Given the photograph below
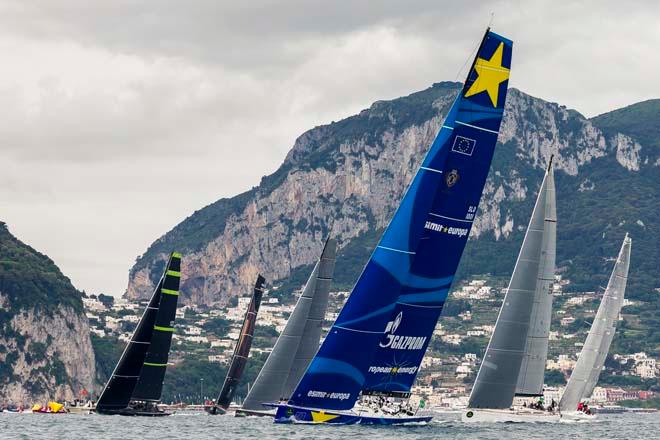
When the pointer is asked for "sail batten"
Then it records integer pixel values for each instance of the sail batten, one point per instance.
(591, 360)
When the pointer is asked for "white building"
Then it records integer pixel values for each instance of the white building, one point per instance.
(217, 358)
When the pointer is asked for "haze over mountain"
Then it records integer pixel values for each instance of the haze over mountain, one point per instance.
(351, 174)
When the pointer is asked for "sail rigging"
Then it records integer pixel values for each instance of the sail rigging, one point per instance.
(242, 349)
(390, 314)
(592, 357)
(299, 341)
(129, 371)
(500, 370)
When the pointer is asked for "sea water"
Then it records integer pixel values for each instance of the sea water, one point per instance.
(202, 426)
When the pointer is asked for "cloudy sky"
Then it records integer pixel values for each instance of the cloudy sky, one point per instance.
(119, 118)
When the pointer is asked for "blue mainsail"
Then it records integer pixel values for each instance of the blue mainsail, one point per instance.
(381, 334)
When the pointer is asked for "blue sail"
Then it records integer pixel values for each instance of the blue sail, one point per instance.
(390, 315)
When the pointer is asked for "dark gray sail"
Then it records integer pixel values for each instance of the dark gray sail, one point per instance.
(130, 372)
(299, 340)
(532, 369)
(592, 357)
(497, 379)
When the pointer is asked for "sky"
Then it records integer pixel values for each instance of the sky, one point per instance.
(119, 119)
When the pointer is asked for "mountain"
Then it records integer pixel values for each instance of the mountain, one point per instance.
(350, 175)
(45, 349)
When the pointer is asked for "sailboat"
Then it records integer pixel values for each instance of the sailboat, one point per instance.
(297, 344)
(514, 361)
(590, 363)
(136, 384)
(241, 352)
(375, 347)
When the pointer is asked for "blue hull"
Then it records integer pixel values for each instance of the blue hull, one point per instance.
(300, 415)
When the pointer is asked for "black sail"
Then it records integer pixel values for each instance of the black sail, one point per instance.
(119, 389)
(242, 349)
(150, 384)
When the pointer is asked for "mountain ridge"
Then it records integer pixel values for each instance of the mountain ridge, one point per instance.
(351, 174)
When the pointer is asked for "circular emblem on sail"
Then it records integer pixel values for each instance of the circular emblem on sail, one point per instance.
(452, 178)
(469, 414)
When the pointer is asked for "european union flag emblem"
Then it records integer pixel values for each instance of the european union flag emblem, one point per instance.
(463, 145)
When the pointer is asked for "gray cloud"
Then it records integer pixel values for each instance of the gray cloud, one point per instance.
(121, 118)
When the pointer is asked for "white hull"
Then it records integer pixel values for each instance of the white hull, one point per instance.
(508, 416)
(577, 416)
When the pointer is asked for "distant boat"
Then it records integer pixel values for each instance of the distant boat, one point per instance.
(241, 352)
(136, 384)
(374, 349)
(514, 362)
(590, 363)
(298, 342)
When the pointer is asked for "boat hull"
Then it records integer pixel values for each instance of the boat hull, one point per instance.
(215, 410)
(577, 416)
(300, 415)
(133, 413)
(508, 416)
(254, 412)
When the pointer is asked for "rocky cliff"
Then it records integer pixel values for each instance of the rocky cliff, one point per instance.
(350, 175)
(45, 349)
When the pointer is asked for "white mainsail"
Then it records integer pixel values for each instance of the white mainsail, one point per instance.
(532, 369)
(527, 304)
(592, 357)
(299, 340)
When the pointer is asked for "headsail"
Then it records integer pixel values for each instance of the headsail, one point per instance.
(119, 389)
(498, 376)
(299, 341)
(242, 349)
(532, 369)
(411, 269)
(592, 358)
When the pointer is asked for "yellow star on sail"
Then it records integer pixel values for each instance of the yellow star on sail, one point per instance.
(321, 416)
(491, 75)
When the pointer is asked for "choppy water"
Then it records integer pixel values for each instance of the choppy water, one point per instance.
(201, 426)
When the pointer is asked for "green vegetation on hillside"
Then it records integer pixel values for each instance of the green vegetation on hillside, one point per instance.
(639, 121)
(31, 279)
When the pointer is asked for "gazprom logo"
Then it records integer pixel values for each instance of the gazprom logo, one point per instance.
(393, 325)
(398, 342)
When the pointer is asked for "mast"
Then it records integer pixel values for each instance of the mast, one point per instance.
(532, 369)
(118, 390)
(499, 372)
(592, 357)
(242, 349)
(299, 341)
(389, 316)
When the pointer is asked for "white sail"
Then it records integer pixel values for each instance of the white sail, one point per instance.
(592, 357)
(498, 375)
(532, 369)
(299, 340)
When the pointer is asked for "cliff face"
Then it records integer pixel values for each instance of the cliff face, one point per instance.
(45, 348)
(350, 176)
